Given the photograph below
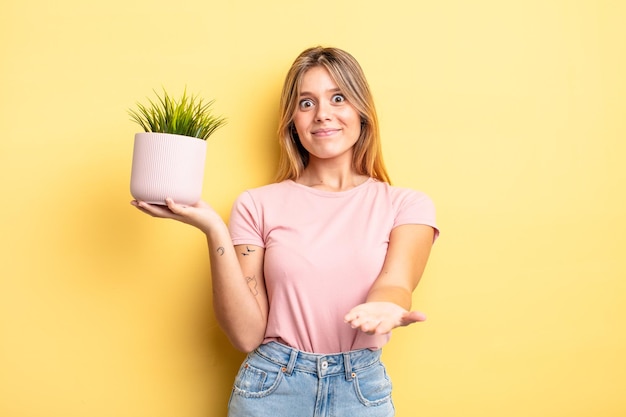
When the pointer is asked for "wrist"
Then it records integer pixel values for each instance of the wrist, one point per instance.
(216, 231)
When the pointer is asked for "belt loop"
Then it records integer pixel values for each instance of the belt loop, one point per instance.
(292, 361)
(347, 366)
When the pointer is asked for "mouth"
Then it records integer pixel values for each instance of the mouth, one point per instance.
(324, 132)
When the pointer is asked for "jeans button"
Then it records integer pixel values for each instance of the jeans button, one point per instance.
(324, 365)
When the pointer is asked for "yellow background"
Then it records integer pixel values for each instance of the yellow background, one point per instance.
(510, 114)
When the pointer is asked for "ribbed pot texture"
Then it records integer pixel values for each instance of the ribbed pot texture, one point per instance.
(167, 165)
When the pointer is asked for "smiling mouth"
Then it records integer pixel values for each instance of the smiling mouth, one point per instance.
(325, 132)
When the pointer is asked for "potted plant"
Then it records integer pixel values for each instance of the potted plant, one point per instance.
(169, 156)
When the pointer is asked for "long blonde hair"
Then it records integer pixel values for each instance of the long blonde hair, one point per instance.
(347, 73)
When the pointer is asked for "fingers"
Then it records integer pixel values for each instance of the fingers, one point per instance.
(154, 210)
(175, 208)
(412, 317)
(199, 215)
(369, 324)
(376, 327)
(381, 318)
(365, 325)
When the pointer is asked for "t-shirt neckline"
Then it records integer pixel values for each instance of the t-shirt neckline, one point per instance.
(325, 193)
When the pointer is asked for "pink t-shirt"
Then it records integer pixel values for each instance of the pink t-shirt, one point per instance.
(323, 252)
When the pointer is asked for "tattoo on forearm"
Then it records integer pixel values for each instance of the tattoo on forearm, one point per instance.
(252, 285)
(220, 250)
(248, 251)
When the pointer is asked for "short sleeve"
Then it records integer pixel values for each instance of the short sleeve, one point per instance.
(414, 207)
(245, 222)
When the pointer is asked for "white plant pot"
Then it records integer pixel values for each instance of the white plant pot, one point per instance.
(167, 165)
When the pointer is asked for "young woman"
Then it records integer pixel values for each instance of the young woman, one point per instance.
(319, 267)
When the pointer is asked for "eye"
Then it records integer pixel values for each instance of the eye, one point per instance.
(307, 103)
(338, 98)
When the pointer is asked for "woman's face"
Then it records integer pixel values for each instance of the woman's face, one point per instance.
(327, 124)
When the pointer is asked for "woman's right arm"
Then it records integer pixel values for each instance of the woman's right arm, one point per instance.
(239, 294)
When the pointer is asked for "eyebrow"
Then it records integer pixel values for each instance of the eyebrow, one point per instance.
(332, 90)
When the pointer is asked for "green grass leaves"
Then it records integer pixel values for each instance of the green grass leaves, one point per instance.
(189, 116)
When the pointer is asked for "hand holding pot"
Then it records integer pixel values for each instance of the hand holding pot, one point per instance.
(200, 214)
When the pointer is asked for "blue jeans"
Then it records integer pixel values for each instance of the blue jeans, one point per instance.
(278, 381)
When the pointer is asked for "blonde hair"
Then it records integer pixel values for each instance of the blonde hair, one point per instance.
(347, 73)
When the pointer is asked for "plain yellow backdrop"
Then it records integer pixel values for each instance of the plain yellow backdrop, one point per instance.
(510, 114)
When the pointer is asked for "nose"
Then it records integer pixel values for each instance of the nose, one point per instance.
(323, 112)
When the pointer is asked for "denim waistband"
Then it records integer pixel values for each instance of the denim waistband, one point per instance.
(319, 364)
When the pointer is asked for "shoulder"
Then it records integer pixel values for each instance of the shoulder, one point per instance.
(401, 196)
(269, 189)
(410, 206)
(265, 191)
(410, 196)
(263, 194)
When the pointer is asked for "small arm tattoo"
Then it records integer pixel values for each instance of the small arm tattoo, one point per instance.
(252, 285)
(220, 250)
(248, 251)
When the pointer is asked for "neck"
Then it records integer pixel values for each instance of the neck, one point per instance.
(330, 178)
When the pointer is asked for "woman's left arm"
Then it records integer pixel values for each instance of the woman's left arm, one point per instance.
(388, 303)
